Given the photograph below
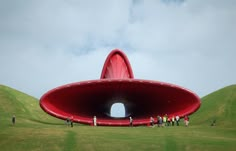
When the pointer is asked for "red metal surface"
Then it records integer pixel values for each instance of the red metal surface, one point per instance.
(117, 66)
(141, 98)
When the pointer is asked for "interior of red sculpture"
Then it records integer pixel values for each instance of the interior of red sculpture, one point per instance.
(141, 98)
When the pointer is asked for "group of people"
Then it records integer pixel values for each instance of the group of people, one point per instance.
(168, 121)
(161, 121)
(69, 121)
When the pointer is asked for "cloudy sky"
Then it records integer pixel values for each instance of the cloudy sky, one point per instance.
(48, 43)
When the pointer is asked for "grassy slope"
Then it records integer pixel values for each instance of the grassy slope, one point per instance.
(219, 105)
(25, 107)
(31, 132)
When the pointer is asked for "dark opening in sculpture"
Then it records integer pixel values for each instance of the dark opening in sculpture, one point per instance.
(141, 98)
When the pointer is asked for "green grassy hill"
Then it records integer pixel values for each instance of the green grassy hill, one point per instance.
(220, 106)
(26, 108)
(36, 130)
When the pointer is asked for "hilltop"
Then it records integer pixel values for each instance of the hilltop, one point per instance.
(220, 106)
(23, 106)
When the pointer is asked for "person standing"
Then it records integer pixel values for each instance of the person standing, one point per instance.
(71, 121)
(160, 124)
(173, 121)
(67, 121)
(151, 121)
(130, 121)
(177, 120)
(164, 120)
(94, 121)
(13, 119)
(186, 120)
(168, 121)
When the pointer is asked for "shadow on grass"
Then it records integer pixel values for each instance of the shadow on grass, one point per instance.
(50, 123)
(70, 141)
(44, 122)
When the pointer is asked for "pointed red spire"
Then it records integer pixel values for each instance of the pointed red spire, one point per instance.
(117, 66)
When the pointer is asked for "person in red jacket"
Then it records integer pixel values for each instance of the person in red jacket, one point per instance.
(186, 120)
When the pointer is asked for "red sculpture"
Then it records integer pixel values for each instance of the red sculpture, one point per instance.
(141, 98)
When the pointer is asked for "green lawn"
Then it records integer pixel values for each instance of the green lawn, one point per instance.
(35, 130)
(50, 137)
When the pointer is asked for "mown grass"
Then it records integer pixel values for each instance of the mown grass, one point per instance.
(37, 131)
(60, 137)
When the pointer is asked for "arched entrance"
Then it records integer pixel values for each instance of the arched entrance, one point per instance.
(117, 110)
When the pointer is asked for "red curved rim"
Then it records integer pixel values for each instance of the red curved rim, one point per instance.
(141, 98)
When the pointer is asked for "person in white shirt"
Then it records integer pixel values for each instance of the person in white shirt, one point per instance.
(151, 121)
(130, 121)
(177, 120)
(94, 121)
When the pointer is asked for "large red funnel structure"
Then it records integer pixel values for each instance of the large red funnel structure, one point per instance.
(141, 98)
